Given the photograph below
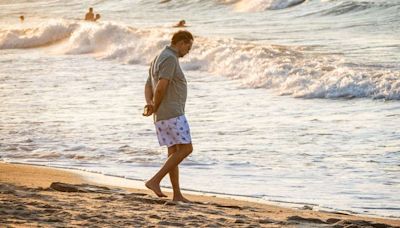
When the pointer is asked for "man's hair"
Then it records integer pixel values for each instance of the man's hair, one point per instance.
(90, 9)
(181, 35)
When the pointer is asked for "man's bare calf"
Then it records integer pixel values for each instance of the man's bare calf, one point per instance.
(176, 155)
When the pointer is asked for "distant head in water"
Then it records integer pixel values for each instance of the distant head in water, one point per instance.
(21, 18)
(182, 41)
(181, 23)
(97, 17)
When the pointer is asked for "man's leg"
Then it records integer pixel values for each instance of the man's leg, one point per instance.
(174, 177)
(183, 150)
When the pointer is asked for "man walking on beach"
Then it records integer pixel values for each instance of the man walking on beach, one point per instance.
(165, 94)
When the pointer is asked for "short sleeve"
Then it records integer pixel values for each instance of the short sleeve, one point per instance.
(167, 68)
(148, 82)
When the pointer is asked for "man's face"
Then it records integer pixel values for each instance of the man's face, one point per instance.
(184, 47)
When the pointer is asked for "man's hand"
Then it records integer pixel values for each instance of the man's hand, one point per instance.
(148, 110)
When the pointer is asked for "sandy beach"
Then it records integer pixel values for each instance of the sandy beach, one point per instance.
(32, 196)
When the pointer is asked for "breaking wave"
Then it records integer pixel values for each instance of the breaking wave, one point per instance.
(286, 70)
(261, 5)
(44, 34)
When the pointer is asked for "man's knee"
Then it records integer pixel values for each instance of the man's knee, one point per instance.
(172, 149)
(186, 149)
(190, 148)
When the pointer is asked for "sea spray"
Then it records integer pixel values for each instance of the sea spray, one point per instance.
(45, 34)
(287, 70)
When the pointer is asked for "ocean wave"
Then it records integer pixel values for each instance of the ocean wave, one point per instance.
(313, 7)
(44, 34)
(290, 71)
(261, 5)
(286, 70)
(346, 7)
(340, 7)
(97, 37)
(238, 5)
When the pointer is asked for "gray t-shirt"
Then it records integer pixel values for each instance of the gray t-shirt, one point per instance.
(166, 65)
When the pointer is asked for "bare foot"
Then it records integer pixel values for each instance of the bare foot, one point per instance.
(155, 188)
(180, 199)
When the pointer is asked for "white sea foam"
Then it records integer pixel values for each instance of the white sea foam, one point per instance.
(43, 34)
(286, 70)
(290, 71)
(97, 37)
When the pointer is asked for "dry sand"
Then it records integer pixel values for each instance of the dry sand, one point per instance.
(27, 200)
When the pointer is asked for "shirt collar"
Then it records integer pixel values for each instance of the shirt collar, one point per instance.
(173, 50)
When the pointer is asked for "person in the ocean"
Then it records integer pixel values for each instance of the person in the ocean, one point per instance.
(22, 18)
(97, 17)
(89, 15)
(181, 23)
(165, 94)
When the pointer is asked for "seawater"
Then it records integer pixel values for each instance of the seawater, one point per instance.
(72, 95)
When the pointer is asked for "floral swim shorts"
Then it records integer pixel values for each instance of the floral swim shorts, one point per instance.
(173, 131)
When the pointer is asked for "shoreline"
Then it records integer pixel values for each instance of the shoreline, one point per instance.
(34, 182)
(132, 184)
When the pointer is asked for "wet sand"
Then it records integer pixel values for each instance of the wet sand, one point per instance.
(47, 197)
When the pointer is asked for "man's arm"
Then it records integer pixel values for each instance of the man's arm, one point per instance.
(161, 88)
(166, 72)
(148, 95)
